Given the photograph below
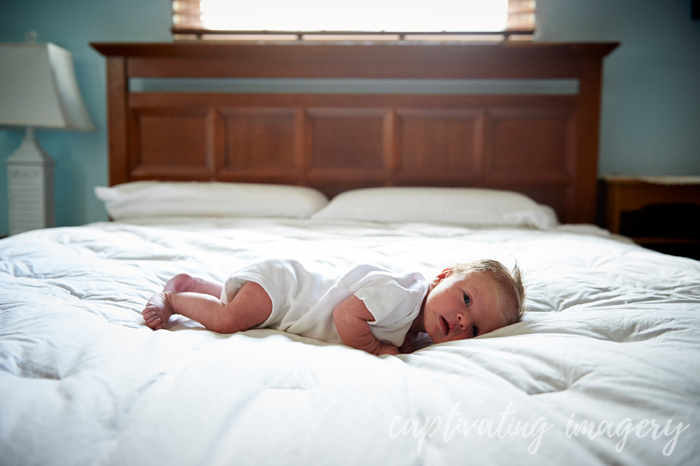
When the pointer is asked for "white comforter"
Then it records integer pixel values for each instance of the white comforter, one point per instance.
(605, 369)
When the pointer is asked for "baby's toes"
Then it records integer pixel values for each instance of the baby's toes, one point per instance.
(157, 311)
(148, 314)
(153, 321)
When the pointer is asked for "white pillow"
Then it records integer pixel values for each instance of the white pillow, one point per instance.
(466, 206)
(212, 199)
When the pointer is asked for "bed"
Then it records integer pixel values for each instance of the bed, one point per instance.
(603, 369)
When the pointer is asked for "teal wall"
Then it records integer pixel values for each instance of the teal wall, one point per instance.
(651, 97)
(651, 94)
(81, 157)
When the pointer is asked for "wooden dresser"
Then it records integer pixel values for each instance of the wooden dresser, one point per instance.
(625, 194)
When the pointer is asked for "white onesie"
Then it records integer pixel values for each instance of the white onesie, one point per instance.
(303, 301)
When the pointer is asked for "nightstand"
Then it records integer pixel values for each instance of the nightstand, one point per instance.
(659, 212)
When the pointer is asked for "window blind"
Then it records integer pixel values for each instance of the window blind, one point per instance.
(388, 19)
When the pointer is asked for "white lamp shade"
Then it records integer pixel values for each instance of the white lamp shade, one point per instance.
(38, 88)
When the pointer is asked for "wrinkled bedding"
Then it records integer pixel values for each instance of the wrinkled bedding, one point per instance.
(604, 369)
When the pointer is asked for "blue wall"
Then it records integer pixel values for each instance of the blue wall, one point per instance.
(81, 158)
(651, 97)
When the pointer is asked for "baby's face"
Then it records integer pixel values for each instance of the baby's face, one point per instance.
(462, 306)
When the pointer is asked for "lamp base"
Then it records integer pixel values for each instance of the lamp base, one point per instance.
(30, 186)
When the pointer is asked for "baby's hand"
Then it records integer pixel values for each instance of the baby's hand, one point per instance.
(407, 347)
(387, 349)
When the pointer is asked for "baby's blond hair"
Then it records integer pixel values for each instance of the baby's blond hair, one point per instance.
(510, 283)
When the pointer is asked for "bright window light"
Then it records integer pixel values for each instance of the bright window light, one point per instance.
(356, 15)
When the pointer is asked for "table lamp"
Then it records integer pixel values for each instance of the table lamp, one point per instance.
(37, 89)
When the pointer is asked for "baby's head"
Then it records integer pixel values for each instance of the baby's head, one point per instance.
(472, 298)
(509, 283)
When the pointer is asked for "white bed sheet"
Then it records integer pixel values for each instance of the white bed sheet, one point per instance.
(605, 368)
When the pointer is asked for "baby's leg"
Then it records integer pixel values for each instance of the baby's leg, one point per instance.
(250, 307)
(158, 309)
(183, 282)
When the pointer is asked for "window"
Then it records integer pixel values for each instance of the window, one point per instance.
(353, 19)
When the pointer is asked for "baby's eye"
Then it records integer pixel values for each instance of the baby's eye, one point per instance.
(467, 299)
(475, 331)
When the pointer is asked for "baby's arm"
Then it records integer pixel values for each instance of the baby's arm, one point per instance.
(351, 321)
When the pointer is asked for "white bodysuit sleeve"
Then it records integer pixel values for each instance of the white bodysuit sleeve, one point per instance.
(395, 302)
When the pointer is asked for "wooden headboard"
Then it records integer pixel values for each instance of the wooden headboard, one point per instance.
(543, 145)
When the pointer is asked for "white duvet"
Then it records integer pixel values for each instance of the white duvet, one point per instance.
(605, 368)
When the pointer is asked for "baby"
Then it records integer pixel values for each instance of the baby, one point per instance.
(367, 308)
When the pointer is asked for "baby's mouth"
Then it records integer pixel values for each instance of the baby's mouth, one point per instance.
(445, 326)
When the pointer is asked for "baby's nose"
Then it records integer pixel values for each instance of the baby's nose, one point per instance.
(461, 321)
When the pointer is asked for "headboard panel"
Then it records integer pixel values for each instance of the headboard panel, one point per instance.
(542, 145)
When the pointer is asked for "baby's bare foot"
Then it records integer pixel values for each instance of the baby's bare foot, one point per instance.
(185, 283)
(157, 311)
(179, 283)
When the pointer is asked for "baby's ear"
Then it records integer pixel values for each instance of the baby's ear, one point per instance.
(444, 274)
